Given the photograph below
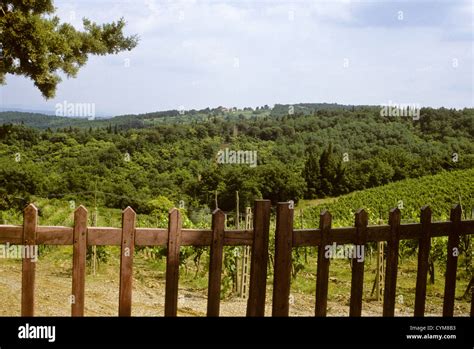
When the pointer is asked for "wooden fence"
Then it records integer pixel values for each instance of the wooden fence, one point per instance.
(129, 236)
(286, 238)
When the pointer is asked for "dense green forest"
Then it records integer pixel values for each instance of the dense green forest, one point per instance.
(317, 151)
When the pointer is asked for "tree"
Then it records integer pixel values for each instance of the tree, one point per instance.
(279, 182)
(34, 44)
(312, 174)
(332, 172)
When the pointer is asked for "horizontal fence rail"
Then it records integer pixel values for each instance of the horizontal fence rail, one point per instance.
(286, 238)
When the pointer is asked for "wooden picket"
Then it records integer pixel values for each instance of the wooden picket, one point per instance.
(392, 263)
(30, 223)
(172, 265)
(126, 262)
(282, 273)
(323, 265)
(357, 281)
(79, 261)
(215, 266)
(259, 261)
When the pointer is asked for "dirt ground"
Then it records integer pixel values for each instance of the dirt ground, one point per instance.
(53, 286)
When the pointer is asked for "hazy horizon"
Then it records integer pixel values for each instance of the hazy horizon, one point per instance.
(51, 112)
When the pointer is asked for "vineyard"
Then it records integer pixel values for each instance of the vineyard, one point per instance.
(439, 191)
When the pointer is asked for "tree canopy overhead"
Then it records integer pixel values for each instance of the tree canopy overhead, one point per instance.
(35, 44)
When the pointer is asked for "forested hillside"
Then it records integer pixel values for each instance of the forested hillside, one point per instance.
(327, 152)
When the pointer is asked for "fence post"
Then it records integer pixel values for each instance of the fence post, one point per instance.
(393, 245)
(215, 267)
(357, 282)
(322, 274)
(283, 249)
(259, 261)
(79, 261)
(423, 255)
(126, 262)
(452, 261)
(30, 222)
(172, 263)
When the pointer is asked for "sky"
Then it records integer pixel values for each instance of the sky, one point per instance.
(198, 54)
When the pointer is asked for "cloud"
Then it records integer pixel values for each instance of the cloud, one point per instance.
(248, 53)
